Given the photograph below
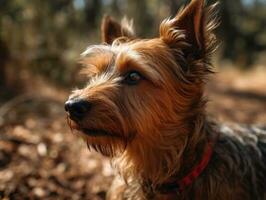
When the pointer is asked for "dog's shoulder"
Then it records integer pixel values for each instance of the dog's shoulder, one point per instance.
(244, 139)
(248, 135)
(240, 154)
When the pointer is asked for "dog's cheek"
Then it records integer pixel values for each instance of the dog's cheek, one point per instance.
(145, 110)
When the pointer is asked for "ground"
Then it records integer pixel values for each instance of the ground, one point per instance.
(41, 159)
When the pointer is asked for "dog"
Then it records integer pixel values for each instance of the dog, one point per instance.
(144, 107)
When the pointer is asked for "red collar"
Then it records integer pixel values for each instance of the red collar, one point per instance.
(180, 185)
(198, 169)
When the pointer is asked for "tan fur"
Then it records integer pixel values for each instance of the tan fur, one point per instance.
(156, 131)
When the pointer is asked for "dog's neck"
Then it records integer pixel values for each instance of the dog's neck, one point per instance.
(168, 161)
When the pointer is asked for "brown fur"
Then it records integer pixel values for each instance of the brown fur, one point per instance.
(156, 131)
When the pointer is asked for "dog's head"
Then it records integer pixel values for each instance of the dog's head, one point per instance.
(139, 90)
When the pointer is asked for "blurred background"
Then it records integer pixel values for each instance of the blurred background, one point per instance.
(40, 43)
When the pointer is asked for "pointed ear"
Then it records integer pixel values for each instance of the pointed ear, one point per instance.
(112, 30)
(193, 26)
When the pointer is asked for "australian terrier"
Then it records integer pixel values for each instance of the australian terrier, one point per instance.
(144, 107)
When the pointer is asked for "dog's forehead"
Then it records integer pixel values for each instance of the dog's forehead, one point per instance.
(141, 55)
(101, 56)
(134, 50)
(106, 49)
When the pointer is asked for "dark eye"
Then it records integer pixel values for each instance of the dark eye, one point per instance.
(132, 78)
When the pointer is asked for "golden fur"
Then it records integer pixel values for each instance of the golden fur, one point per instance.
(157, 130)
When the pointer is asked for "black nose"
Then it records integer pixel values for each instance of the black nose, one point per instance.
(77, 108)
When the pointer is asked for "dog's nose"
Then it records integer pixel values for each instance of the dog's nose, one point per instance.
(77, 108)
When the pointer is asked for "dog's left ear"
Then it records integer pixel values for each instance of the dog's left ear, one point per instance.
(191, 26)
(112, 29)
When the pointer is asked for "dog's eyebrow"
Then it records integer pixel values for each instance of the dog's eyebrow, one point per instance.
(131, 60)
(96, 63)
(95, 49)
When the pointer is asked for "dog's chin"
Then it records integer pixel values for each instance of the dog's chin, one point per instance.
(102, 141)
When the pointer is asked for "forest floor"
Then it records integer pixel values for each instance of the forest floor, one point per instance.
(41, 159)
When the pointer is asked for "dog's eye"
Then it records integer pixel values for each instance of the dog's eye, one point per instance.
(132, 78)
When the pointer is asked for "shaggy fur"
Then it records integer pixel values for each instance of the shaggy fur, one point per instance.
(156, 130)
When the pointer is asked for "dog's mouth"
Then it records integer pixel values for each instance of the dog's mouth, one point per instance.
(92, 132)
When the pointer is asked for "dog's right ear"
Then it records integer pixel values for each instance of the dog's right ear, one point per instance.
(112, 30)
(191, 30)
